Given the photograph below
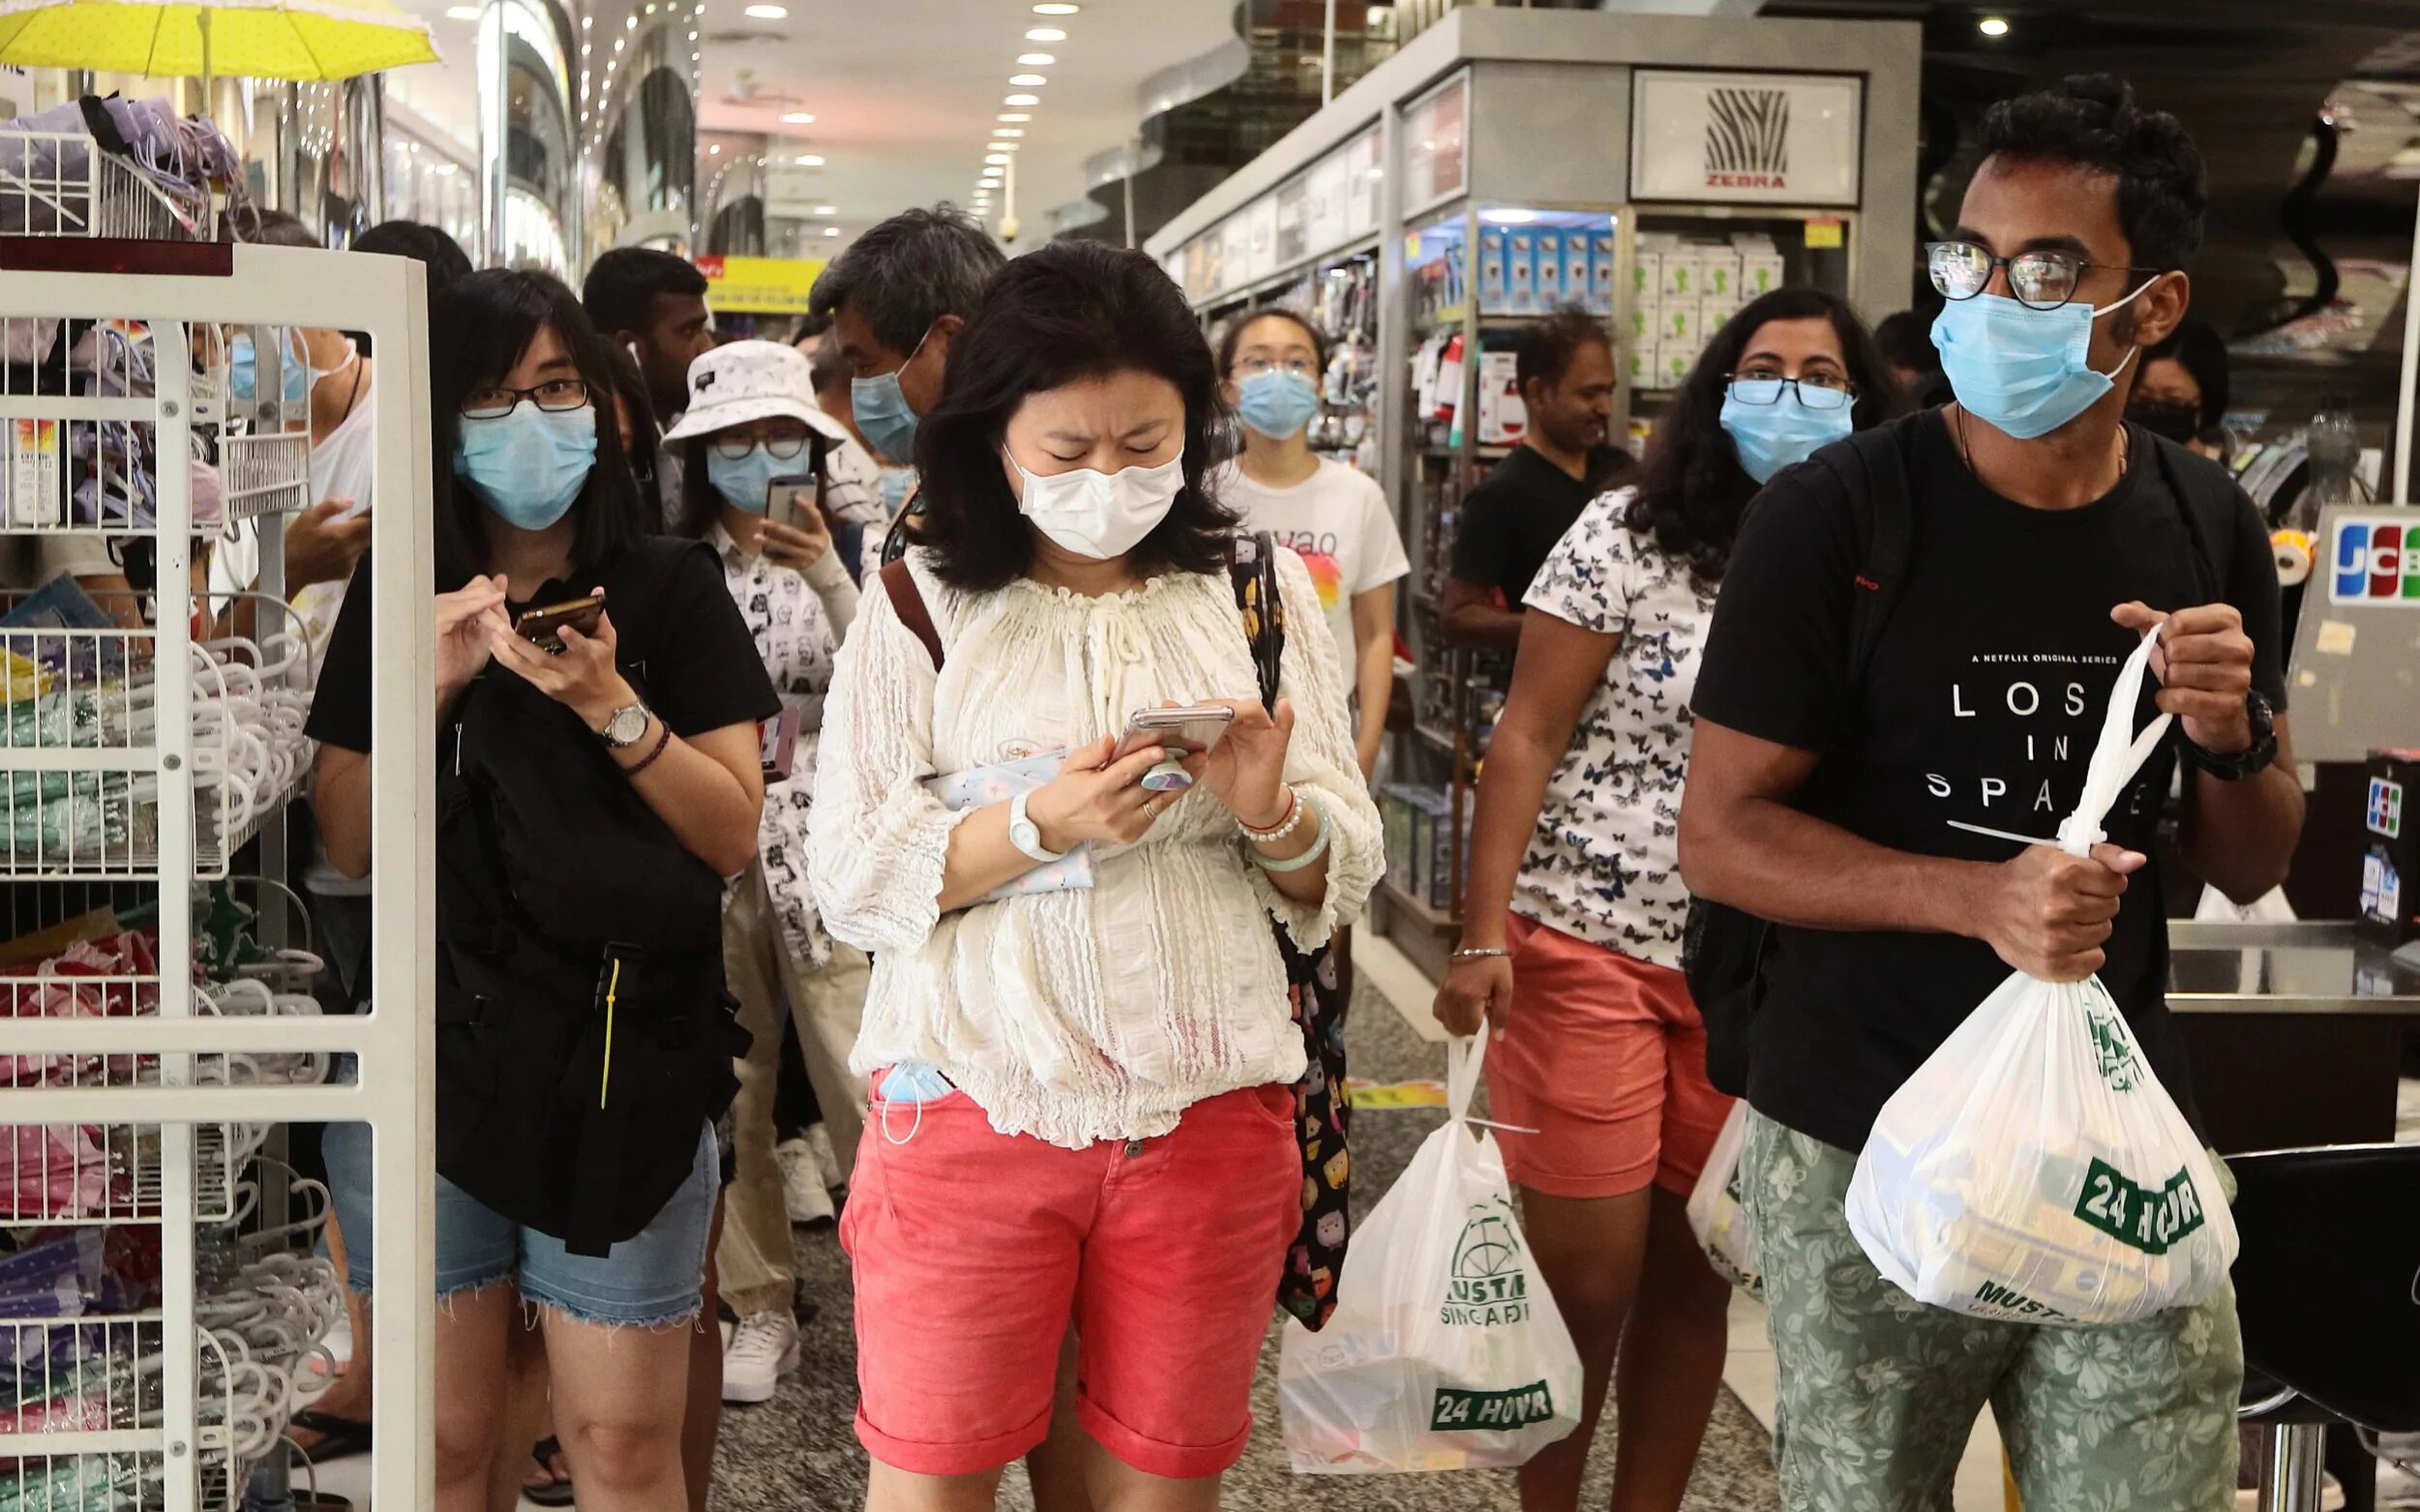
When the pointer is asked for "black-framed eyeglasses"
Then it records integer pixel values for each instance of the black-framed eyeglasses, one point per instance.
(2040, 279)
(556, 396)
(1816, 391)
(783, 444)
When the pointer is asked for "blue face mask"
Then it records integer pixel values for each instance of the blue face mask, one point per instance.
(746, 482)
(2020, 370)
(531, 465)
(894, 482)
(881, 411)
(243, 379)
(1278, 404)
(1769, 438)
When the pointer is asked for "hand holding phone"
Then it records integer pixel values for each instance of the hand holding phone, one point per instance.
(1182, 730)
(796, 534)
(543, 625)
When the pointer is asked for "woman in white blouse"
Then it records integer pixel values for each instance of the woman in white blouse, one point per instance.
(750, 429)
(1081, 1066)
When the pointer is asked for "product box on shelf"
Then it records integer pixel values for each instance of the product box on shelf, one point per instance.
(1679, 324)
(1520, 271)
(1718, 273)
(1579, 274)
(1638, 362)
(1673, 361)
(1646, 276)
(1601, 267)
(1646, 322)
(1394, 824)
(1549, 271)
(2390, 863)
(1715, 311)
(1760, 272)
(1492, 290)
(31, 482)
(1503, 418)
(1683, 267)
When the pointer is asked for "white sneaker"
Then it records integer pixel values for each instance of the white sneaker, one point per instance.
(826, 1164)
(804, 1192)
(764, 1349)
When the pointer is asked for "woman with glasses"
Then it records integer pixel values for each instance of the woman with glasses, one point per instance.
(1575, 902)
(753, 441)
(598, 777)
(1334, 515)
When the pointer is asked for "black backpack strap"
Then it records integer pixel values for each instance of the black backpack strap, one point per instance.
(2208, 498)
(1872, 467)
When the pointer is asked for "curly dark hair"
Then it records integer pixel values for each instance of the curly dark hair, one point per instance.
(2091, 120)
(1062, 314)
(1694, 491)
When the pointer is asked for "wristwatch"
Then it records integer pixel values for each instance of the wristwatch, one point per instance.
(1027, 836)
(2253, 759)
(626, 724)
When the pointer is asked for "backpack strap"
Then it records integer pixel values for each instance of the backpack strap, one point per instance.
(2208, 498)
(1873, 469)
(908, 603)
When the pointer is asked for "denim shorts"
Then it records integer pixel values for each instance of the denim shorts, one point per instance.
(655, 1277)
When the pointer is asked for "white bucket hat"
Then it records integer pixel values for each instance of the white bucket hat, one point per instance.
(751, 380)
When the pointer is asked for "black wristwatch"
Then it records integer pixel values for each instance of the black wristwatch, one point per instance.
(2253, 759)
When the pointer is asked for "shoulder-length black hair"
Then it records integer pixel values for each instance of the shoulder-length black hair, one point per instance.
(478, 327)
(1062, 314)
(1694, 490)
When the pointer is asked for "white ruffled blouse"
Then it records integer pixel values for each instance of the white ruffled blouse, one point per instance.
(1089, 1015)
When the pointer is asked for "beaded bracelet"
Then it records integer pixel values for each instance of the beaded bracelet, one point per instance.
(1319, 846)
(1285, 826)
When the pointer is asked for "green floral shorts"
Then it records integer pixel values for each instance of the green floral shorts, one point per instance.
(1879, 1391)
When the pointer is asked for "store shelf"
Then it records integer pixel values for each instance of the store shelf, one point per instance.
(1442, 740)
(1434, 917)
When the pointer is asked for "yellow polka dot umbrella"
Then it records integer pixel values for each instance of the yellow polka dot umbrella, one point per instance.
(251, 39)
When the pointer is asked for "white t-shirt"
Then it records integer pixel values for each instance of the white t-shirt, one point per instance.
(1337, 520)
(1604, 864)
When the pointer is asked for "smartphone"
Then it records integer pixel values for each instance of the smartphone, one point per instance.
(792, 498)
(543, 625)
(1193, 729)
(777, 744)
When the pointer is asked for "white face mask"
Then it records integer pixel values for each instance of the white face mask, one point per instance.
(1101, 515)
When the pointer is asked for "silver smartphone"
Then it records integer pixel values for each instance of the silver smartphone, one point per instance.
(1191, 729)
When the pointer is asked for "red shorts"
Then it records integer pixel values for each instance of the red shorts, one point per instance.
(973, 1250)
(1605, 1055)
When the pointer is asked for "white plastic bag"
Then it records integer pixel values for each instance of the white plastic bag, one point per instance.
(2034, 1169)
(1718, 1211)
(1445, 1350)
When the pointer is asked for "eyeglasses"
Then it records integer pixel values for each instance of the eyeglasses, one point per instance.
(555, 396)
(1254, 366)
(1816, 391)
(784, 444)
(2040, 279)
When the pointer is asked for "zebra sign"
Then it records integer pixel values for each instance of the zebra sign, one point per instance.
(1745, 138)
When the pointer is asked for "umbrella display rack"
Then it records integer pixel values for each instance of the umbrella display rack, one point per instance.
(161, 1314)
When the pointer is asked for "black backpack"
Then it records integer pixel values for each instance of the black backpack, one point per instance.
(1722, 949)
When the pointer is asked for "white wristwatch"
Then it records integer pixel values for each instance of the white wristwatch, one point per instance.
(1027, 836)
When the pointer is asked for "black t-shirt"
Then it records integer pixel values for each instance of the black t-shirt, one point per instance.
(1982, 703)
(684, 646)
(1513, 519)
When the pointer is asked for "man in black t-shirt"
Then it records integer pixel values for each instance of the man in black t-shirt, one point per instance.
(1509, 523)
(2048, 535)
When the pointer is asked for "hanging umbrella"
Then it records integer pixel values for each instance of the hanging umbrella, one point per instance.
(303, 40)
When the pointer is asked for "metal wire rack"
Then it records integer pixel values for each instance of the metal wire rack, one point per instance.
(64, 184)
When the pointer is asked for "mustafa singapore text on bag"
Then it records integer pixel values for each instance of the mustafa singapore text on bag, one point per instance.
(2034, 1169)
(1445, 1352)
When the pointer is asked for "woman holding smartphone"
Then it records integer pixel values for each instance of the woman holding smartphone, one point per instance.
(1078, 1025)
(591, 801)
(1575, 902)
(750, 438)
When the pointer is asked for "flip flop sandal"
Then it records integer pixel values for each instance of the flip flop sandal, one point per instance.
(555, 1493)
(339, 1438)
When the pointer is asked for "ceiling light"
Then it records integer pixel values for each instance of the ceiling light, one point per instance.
(1046, 33)
(831, 230)
(1014, 115)
(1022, 100)
(797, 118)
(630, 23)
(462, 12)
(827, 210)
(587, 22)
(1037, 60)
(1059, 8)
(713, 149)
(1008, 130)
(444, 169)
(997, 157)
(1993, 26)
(1028, 80)
(808, 160)
(769, 12)
(1507, 217)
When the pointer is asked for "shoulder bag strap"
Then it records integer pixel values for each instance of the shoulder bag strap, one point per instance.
(1252, 567)
(908, 603)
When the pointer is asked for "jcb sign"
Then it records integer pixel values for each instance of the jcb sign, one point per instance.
(2375, 559)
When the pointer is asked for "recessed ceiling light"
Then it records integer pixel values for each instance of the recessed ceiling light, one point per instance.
(769, 12)
(1036, 60)
(714, 149)
(1056, 8)
(1028, 80)
(1014, 115)
(1994, 26)
(808, 160)
(994, 157)
(797, 118)
(1507, 217)
(1022, 100)
(1046, 33)
(462, 12)
(1008, 130)
(827, 210)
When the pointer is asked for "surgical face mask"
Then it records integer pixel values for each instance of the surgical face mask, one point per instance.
(1784, 430)
(531, 465)
(1101, 515)
(894, 482)
(2026, 372)
(881, 407)
(295, 375)
(2178, 422)
(746, 482)
(1278, 404)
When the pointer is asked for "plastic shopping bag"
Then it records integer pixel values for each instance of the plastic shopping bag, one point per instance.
(1717, 1212)
(1445, 1352)
(2034, 1169)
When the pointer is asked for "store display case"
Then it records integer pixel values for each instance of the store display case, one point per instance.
(1657, 171)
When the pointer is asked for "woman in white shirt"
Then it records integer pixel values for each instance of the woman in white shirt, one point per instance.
(752, 420)
(1336, 515)
(1083, 1091)
(1575, 904)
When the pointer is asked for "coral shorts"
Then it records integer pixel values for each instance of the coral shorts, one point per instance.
(975, 1249)
(1605, 1055)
